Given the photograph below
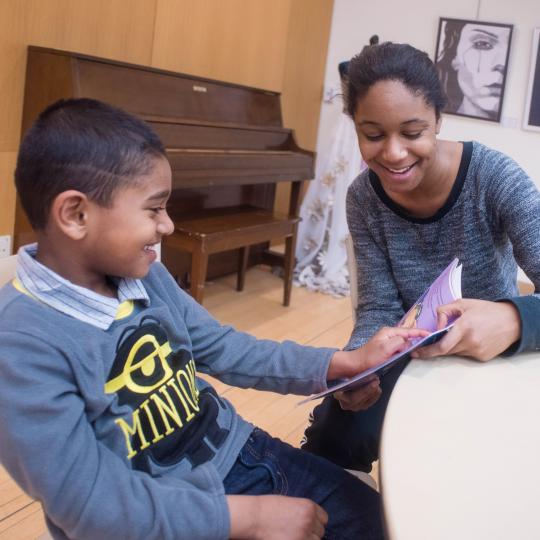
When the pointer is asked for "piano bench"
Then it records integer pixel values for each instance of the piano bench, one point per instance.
(223, 229)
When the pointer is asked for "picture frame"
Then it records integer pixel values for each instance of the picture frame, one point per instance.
(472, 60)
(531, 117)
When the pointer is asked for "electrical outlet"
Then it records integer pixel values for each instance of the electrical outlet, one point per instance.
(5, 246)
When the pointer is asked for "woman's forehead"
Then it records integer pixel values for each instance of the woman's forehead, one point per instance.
(393, 101)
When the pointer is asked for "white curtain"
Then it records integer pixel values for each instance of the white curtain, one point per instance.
(320, 252)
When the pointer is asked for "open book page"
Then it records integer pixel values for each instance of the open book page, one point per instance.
(423, 314)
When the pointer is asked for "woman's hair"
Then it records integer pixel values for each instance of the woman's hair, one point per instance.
(393, 62)
(443, 63)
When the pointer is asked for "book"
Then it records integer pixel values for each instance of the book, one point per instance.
(423, 314)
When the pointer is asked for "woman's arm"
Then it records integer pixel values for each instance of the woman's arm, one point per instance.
(510, 325)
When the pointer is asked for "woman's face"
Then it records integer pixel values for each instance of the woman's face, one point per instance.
(479, 63)
(397, 135)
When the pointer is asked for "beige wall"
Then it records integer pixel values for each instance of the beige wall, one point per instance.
(275, 44)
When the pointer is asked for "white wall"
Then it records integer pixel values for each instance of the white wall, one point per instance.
(416, 22)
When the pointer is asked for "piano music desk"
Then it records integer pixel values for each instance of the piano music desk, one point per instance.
(223, 229)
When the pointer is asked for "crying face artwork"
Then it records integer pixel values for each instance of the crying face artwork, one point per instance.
(472, 60)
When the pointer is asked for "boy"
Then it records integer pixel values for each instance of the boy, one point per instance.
(102, 417)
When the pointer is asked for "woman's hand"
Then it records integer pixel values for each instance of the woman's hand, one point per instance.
(361, 398)
(483, 330)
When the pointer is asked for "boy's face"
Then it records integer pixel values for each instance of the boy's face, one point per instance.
(121, 238)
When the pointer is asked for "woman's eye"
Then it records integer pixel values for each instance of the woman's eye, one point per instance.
(373, 137)
(482, 45)
(414, 135)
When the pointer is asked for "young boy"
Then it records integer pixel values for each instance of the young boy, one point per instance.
(102, 416)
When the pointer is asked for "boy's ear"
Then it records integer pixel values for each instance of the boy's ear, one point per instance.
(69, 211)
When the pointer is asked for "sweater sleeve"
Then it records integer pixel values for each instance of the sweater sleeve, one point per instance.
(49, 447)
(379, 303)
(514, 203)
(240, 359)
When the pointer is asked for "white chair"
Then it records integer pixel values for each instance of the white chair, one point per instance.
(7, 269)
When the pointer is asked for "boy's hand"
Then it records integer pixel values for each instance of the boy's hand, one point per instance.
(385, 343)
(275, 517)
(484, 329)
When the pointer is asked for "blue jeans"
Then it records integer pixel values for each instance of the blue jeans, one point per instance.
(268, 466)
(350, 439)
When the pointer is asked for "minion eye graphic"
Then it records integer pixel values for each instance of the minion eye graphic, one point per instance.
(146, 366)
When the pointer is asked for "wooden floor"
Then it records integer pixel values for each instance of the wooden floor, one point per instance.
(311, 319)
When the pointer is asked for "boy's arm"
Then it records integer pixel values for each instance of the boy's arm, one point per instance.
(242, 360)
(48, 445)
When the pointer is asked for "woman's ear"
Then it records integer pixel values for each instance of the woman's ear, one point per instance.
(69, 213)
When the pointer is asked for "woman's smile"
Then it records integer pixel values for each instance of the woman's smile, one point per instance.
(399, 173)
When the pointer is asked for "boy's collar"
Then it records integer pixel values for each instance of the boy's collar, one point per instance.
(70, 299)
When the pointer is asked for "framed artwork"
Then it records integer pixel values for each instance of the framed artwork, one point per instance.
(472, 60)
(532, 104)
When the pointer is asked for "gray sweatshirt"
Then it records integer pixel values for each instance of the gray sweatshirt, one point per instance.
(112, 430)
(490, 221)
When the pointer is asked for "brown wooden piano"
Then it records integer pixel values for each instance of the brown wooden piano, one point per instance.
(227, 148)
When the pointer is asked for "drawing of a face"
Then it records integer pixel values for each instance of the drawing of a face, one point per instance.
(411, 318)
(480, 63)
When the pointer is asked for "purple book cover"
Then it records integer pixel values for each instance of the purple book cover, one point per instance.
(423, 314)
(445, 289)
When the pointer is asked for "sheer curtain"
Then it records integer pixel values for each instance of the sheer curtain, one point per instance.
(320, 252)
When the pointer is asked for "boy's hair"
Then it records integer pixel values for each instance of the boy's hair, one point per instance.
(81, 144)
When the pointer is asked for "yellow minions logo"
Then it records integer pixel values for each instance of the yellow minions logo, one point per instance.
(170, 420)
(147, 358)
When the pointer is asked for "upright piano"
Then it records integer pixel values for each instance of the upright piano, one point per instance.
(226, 143)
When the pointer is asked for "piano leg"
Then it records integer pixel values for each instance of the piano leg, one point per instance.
(243, 257)
(288, 266)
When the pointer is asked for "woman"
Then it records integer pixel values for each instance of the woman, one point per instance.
(471, 65)
(422, 202)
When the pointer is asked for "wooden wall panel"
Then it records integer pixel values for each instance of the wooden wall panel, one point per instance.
(275, 44)
(119, 29)
(241, 41)
(7, 192)
(303, 79)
